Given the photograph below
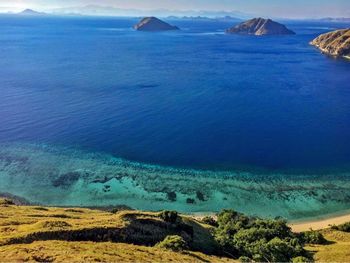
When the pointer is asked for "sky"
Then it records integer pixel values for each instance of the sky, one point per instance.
(273, 8)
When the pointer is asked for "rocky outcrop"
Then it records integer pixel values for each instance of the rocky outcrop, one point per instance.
(154, 24)
(259, 27)
(335, 43)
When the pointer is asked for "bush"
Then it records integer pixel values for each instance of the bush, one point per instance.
(209, 221)
(169, 216)
(277, 250)
(256, 239)
(244, 259)
(301, 259)
(174, 243)
(344, 227)
(312, 237)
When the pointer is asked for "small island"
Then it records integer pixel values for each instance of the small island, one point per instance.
(154, 24)
(260, 27)
(335, 43)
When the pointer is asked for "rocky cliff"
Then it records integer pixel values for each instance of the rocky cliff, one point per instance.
(335, 43)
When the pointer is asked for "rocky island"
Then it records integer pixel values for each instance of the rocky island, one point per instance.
(154, 24)
(335, 43)
(259, 27)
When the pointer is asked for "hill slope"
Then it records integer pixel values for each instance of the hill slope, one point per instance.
(67, 234)
(48, 234)
(335, 43)
(338, 249)
(259, 27)
(154, 24)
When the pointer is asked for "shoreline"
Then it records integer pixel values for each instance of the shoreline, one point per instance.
(321, 222)
(318, 223)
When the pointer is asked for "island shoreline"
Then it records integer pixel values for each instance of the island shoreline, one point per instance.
(297, 225)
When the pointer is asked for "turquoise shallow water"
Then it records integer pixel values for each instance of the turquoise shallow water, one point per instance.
(54, 175)
(258, 124)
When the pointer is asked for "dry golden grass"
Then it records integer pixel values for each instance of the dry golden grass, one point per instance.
(61, 251)
(18, 221)
(337, 251)
(44, 234)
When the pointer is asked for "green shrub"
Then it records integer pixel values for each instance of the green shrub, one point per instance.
(312, 237)
(301, 259)
(169, 216)
(244, 259)
(257, 239)
(174, 243)
(277, 250)
(344, 227)
(209, 221)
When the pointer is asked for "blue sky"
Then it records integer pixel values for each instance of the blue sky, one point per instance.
(276, 8)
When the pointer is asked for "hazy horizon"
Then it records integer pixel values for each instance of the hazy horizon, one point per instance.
(272, 8)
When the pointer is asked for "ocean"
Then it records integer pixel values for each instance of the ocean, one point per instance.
(95, 113)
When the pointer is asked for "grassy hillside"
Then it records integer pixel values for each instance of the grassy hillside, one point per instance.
(338, 249)
(47, 234)
(62, 251)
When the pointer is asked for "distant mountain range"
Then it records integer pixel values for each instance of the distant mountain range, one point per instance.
(31, 12)
(223, 18)
(96, 10)
(337, 19)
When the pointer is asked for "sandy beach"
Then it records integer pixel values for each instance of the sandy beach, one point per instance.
(317, 224)
(320, 224)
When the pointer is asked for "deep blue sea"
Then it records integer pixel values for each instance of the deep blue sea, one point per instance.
(194, 99)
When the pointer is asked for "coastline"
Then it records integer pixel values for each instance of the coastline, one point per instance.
(320, 223)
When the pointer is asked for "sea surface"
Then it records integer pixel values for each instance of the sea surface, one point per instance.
(95, 113)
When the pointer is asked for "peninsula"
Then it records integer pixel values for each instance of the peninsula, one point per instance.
(335, 43)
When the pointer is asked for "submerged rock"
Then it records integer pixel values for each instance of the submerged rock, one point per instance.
(154, 24)
(66, 180)
(259, 27)
(335, 43)
(200, 196)
(190, 201)
(171, 196)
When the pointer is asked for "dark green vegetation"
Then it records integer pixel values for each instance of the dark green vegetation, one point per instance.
(174, 243)
(344, 227)
(259, 240)
(312, 237)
